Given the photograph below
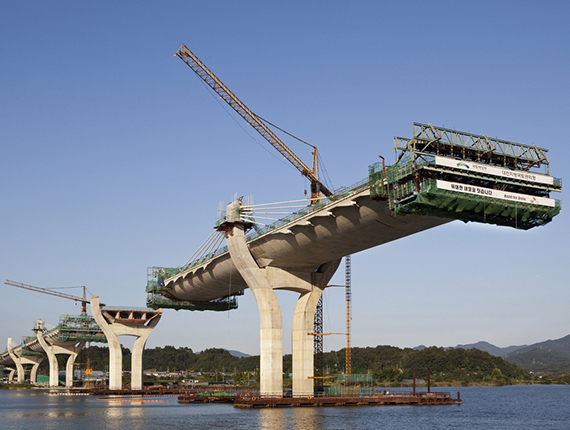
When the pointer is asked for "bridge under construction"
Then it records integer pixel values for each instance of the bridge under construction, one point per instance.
(440, 175)
(73, 332)
(67, 338)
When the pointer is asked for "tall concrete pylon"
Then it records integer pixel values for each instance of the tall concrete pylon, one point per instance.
(20, 360)
(125, 322)
(262, 282)
(52, 346)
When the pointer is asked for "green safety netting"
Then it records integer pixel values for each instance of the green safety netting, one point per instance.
(157, 301)
(396, 184)
(80, 328)
(379, 179)
(469, 207)
(340, 391)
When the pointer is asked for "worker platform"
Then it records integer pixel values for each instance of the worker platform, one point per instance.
(451, 174)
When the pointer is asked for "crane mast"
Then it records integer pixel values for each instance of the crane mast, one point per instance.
(252, 119)
(83, 299)
(348, 300)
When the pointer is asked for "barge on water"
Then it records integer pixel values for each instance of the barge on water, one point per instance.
(385, 398)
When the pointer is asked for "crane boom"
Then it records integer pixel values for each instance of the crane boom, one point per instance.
(252, 119)
(83, 299)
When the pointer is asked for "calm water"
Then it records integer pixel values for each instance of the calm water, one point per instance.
(511, 407)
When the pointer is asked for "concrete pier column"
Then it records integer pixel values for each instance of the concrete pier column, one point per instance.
(137, 356)
(52, 346)
(262, 282)
(115, 357)
(17, 362)
(270, 321)
(125, 322)
(11, 374)
(20, 361)
(311, 286)
(69, 367)
(303, 342)
(34, 372)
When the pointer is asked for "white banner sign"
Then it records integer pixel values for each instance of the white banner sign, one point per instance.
(494, 170)
(495, 194)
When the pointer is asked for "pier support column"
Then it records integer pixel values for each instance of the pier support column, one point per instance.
(270, 321)
(303, 343)
(34, 371)
(20, 361)
(17, 362)
(137, 358)
(11, 374)
(125, 322)
(262, 282)
(303, 325)
(52, 347)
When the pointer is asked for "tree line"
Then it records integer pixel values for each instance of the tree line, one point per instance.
(387, 364)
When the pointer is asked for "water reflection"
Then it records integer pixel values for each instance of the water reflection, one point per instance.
(308, 418)
(44, 414)
(510, 408)
(291, 418)
(272, 419)
(131, 410)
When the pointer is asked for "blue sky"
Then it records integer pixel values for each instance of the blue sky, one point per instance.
(115, 156)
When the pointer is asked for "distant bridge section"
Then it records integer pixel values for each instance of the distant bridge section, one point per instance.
(71, 328)
(67, 338)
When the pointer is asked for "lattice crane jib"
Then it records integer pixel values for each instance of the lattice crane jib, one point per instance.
(317, 188)
(83, 300)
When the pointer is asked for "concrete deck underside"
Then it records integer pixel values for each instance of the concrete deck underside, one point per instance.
(353, 224)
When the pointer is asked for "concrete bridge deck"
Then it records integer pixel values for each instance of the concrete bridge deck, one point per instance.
(340, 227)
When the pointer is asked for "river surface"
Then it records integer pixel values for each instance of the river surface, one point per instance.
(509, 407)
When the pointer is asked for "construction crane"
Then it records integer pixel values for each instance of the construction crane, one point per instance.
(348, 300)
(82, 300)
(256, 122)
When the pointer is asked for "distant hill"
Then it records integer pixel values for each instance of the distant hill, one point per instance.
(238, 354)
(550, 356)
(492, 349)
(560, 346)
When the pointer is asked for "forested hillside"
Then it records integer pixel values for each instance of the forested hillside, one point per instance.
(386, 363)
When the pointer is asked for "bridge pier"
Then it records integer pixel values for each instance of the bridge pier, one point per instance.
(262, 283)
(270, 320)
(125, 322)
(303, 343)
(53, 347)
(20, 361)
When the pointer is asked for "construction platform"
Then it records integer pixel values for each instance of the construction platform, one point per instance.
(392, 398)
(380, 399)
(244, 398)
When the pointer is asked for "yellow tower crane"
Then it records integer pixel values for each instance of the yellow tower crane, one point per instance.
(256, 122)
(83, 300)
